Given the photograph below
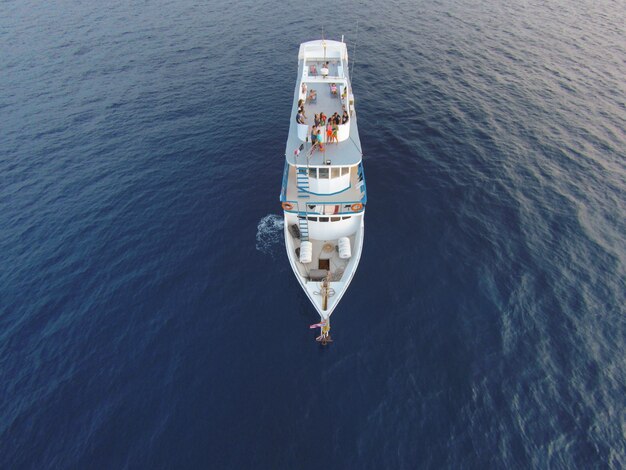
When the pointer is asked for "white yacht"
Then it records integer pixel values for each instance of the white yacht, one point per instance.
(323, 191)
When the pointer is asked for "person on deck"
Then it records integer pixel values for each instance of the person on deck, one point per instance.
(300, 118)
(322, 119)
(334, 134)
(345, 118)
(319, 140)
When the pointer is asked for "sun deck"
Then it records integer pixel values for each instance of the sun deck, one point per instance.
(347, 152)
(326, 102)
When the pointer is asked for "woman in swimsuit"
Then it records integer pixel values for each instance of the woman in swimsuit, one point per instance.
(319, 140)
(314, 134)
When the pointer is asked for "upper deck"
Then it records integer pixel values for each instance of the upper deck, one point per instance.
(332, 94)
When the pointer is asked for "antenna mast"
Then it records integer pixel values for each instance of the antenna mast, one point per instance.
(354, 50)
(324, 45)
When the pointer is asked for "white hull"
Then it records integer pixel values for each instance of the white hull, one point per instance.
(323, 191)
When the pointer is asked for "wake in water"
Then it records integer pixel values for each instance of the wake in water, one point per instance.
(269, 233)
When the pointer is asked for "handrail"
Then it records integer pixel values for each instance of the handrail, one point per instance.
(328, 203)
(306, 214)
(283, 190)
(363, 185)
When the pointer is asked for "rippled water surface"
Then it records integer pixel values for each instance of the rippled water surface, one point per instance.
(149, 317)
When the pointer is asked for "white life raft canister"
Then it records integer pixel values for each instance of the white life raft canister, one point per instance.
(344, 248)
(306, 252)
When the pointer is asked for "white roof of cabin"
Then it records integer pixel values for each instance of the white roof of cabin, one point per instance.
(315, 50)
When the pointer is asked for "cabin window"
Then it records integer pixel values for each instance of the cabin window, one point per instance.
(323, 172)
(312, 172)
(323, 219)
(347, 217)
(345, 170)
(335, 219)
(335, 172)
(313, 219)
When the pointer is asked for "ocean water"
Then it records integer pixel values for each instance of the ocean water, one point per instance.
(148, 314)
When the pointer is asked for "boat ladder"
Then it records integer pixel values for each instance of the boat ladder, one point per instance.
(302, 181)
(303, 224)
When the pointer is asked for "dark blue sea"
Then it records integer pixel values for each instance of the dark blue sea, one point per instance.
(149, 317)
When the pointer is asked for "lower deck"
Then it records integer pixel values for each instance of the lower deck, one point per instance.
(325, 259)
(326, 277)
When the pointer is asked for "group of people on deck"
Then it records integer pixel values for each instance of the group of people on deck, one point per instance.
(329, 125)
(321, 124)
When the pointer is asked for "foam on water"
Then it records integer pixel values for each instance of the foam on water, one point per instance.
(269, 234)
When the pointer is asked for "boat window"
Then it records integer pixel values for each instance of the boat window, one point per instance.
(345, 170)
(312, 172)
(335, 172)
(323, 219)
(323, 173)
(347, 217)
(335, 219)
(313, 219)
